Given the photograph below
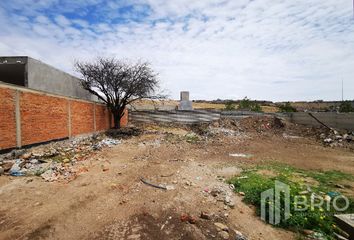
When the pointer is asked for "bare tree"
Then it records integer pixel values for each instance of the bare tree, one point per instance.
(118, 83)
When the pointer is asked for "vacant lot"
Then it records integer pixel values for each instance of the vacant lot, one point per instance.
(107, 199)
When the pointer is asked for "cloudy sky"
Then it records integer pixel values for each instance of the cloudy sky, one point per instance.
(229, 49)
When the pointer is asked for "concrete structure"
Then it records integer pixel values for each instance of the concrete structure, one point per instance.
(184, 103)
(31, 73)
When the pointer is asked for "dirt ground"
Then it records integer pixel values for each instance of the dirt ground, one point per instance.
(109, 201)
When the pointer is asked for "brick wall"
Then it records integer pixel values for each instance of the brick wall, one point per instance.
(43, 117)
(124, 119)
(7, 118)
(102, 118)
(82, 117)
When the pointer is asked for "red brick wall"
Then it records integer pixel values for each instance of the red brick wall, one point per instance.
(43, 118)
(7, 118)
(102, 118)
(124, 119)
(81, 118)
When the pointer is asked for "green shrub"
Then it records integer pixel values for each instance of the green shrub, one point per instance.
(247, 104)
(287, 108)
(230, 106)
(346, 106)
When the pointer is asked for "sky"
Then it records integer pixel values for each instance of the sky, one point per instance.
(278, 50)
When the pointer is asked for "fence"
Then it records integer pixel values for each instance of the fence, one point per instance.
(332, 119)
(186, 117)
(335, 120)
(29, 117)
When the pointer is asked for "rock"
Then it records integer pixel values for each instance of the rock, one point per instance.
(214, 192)
(188, 183)
(66, 160)
(308, 232)
(339, 186)
(49, 175)
(239, 236)
(29, 180)
(17, 153)
(188, 218)
(192, 220)
(184, 217)
(231, 204)
(34, 161)
(328, 140)
(327, 198)
(170, 187)
(242, 193)
(221, 227)
(7, 166)
(38, 204)
(1, 171)
(26, 156)
(205, 216)
(224, 235)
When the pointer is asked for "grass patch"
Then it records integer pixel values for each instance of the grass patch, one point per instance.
(192, 138)
(303, 186)
(330, 177)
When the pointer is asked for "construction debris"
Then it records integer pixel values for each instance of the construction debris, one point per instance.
(334, 138)
(241, 155)
(155, 185)
(54, 161)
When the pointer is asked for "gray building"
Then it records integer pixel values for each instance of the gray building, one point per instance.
(28, 72)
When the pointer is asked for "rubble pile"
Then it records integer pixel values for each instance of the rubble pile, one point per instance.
(222, 193)
(334, 138)
(53, 161)
(261, 124)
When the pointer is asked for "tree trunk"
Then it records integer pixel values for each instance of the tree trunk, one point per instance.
(116, 120)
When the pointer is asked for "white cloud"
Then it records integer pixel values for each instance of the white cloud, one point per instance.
(286, 50)
(62, 21)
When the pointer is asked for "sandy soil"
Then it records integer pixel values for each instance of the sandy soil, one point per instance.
(115, 204)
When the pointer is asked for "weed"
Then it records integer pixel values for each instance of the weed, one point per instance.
(316, 218)
(192, 138)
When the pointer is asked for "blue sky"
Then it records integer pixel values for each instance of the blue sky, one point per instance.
(272, 50)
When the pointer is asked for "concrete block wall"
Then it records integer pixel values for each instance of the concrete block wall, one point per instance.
(184, 117)
(332, 119)
(30, 117)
